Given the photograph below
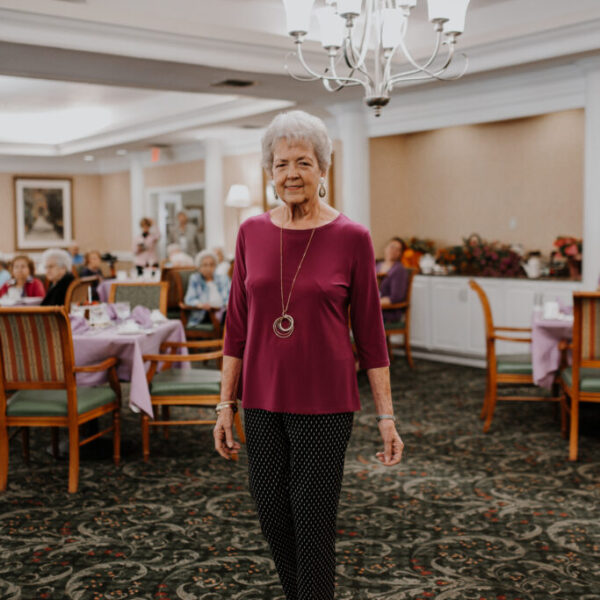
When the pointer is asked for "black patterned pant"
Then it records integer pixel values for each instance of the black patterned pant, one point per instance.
(296, 464)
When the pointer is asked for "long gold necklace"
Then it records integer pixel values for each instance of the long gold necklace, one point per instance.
(283, 326)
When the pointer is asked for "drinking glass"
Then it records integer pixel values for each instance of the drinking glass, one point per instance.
(123, 310)
(538, 303)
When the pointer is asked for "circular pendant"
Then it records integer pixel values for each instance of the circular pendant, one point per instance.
(283, 326)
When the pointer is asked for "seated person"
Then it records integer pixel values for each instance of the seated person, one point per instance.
(76, 258)
(177, 258)
(206, 289)
(223, 265)
(23, 283)
(4, 273)
(394, 286)
(57, 264)
(93, 268)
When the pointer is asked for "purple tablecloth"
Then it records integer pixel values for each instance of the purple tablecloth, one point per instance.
(104, 289)
(94, 347)
(545, 355)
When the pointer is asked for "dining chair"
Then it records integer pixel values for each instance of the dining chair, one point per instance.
(200, 331)
(78, 291)
(37, 366)
(183, 387)
(402, 326)
(504, 369)
(177, 278)
(581, 381)
(152, 295)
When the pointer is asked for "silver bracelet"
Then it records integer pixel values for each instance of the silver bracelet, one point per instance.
(382, 417)
(222, 405)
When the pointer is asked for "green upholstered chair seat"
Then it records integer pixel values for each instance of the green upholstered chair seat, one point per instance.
(186, 382)
(201, 327)
(53, 403)
(389, 325)
(514, 364)
(589, 379)
(173, 313)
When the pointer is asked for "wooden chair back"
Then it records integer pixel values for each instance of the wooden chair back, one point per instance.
(77, 292)
(177, 278)
(586, 331)
(487, 309)
(149, 294)
(36, 350)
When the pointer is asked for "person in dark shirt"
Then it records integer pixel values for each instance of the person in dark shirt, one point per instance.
(395, 284)
(57, 265)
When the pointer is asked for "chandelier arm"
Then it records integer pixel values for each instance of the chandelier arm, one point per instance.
(357, 67)
(426, 71)
(437, 74)
(349, 49)
(349, 80)
(413, 62)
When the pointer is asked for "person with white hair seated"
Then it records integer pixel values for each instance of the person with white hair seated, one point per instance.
(223, 265)
(57, 266)
(177, 258)
(206, 289)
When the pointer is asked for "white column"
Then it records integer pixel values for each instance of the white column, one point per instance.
(591, 194)
(214, 196)
(351, 121)
(137, 192)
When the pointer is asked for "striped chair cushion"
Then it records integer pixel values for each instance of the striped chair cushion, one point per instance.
(590, 328)
(31, 349)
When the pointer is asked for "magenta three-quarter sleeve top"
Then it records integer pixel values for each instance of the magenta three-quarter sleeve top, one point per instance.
(312, 371)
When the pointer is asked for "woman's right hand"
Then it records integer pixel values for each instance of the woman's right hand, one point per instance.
(225, 445)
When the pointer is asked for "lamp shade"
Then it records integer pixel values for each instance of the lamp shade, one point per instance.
(238, 196)
(297, 14)
(456, 22)
(393, 27)
(440, 10)
(407, 3)
(331, 26)
(348, 8)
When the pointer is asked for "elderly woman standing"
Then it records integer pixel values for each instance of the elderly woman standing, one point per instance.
(297, 269)
(206, 290)
(57, 265)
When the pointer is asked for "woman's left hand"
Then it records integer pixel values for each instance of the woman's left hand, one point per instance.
(392, 444)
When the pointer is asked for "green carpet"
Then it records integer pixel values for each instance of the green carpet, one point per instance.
(466, 516)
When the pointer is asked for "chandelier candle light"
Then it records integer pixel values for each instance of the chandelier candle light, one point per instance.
(351, 28)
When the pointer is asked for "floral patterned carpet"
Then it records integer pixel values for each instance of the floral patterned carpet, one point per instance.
(466, 516)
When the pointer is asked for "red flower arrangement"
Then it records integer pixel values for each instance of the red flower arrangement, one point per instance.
(569, 247)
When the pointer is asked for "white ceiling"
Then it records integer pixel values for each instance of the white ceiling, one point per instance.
(81, 76)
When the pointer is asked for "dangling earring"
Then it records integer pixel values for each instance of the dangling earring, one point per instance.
(322, 188)
(274, 190)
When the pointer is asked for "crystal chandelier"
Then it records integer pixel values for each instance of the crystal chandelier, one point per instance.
(350, 30)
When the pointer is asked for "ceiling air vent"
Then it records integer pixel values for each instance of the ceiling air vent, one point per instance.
(234, 83)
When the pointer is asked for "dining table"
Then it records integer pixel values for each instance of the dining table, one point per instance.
(546, 356)
(98, 343)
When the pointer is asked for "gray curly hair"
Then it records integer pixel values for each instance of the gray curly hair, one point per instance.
(297, 125)
(61, 257)
(204, 254)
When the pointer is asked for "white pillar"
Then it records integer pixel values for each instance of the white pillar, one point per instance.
(351, 121)
(591, 194)
(214, 198)
(137, 192)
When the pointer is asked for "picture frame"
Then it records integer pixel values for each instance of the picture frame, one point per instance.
(43, 212)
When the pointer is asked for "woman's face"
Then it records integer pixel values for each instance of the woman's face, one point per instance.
(94, 261)
(296, 171)
(54, 272)
(20, 270)
(207, 268)
(393, 251)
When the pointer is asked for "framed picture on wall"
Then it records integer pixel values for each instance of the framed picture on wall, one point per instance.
(43, 211)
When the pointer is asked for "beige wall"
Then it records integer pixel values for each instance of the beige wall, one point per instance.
(449, 183)
(174, 174)
(101, 215)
